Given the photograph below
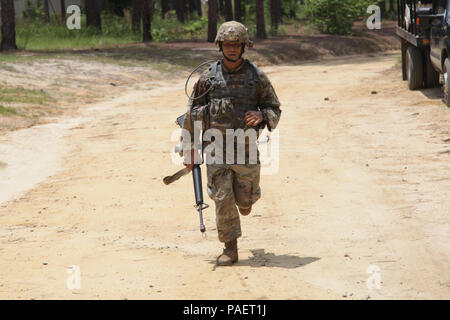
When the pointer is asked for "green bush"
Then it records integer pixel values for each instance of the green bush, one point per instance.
(196, 26)
(171, 29)
(336, 16)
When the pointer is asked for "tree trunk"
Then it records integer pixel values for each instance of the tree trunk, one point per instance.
(63, 10)
(279, 13)
(391, 5)
(191, 7)
(382, 5)
(93, 18)
(238, 10)
(8, 26)
(46, 10)
(260, 22)
(136, 16)
(274, 15)
(212, 20)
(221, 7)
(198, 5)
(228, 10)
(180, 7)
(147, 11)
(164, 8)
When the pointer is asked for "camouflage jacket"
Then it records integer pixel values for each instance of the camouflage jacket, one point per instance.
(234, 93)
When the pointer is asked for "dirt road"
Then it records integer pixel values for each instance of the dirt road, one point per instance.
(363, 186)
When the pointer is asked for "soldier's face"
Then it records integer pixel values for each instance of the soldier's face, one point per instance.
(232, 49)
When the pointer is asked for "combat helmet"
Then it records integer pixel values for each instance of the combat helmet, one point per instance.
(233, 31)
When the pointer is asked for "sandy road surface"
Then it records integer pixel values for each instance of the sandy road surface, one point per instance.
(364, 180)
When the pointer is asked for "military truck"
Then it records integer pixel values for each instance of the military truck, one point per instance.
(424, 30)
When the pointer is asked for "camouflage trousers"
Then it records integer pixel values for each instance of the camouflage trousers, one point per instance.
(231, 185)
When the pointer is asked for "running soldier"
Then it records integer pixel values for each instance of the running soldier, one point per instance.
(232, 94)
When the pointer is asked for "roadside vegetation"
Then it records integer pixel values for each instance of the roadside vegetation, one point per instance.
(22, 95)
(35, 32)
(7, 111)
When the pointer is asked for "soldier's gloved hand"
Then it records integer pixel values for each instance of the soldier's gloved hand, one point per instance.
(253, 118)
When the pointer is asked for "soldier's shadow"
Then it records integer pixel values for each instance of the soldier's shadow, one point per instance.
(267, 259)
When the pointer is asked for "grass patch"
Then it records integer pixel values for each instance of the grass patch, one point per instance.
(18, 57)
(36, 34)
(21, 95)
(7, 111)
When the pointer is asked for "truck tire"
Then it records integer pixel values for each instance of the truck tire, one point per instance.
(414, 67)
(404, 46)
(431, 75)
(446, 84)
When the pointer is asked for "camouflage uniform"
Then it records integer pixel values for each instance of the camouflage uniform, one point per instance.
(235, 92)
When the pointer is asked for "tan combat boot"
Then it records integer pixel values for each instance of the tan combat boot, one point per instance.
(229, 255)
(245, 211)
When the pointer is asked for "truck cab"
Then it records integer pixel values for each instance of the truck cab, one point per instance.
(439, 35)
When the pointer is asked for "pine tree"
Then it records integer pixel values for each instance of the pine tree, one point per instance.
(8, 26)
(46, 10)
(93, 18)
(212, 20)
(260, 21)
(165, 7)
(228, 10)
(147, 12)
(180, 8)
(63, 9)
(274, 16)
(136, 16)
(238, 10)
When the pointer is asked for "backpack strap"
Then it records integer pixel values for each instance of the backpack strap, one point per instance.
(252, 73)
(216, 75)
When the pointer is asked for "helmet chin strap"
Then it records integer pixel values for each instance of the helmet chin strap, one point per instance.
(232, 60)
